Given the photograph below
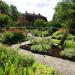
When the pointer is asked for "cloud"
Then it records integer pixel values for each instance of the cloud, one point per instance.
(44, 7)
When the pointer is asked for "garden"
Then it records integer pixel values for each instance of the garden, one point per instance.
(55, 38)
(13, 63)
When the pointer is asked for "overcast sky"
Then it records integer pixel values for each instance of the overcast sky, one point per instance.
(44, 7)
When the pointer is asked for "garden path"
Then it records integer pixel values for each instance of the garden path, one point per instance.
(66, 67)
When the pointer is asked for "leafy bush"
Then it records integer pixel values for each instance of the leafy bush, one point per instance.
(69, 44)
(39, 40)
(40, 47)
(11, 38)
(40, 44)
(6, 37)
(37, 32)
(4, 20)
(44, 70)
(12, 63)
(55, 41)
(58, 34)
(68, 52)
(45, 33)
(71, 37)
(39, 23)
(36, 40)
(36, 48)
(18, 37)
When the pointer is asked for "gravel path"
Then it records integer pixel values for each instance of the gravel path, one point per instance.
(65, 67)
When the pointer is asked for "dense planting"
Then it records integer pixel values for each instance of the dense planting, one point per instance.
(41, 45)
(37, 32)
(69, 53)
(12, 37)
(12, 63)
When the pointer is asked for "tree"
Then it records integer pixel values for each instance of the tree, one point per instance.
(4, 20)
(14, 12)
(4, 7)
(65, 12)
(68, 0)
(39, 23)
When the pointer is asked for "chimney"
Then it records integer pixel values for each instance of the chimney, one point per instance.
(26, 12)
(39, 14)
(33, 13)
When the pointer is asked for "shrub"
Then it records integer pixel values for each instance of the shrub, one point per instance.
(4, 20)
(26, 60)
(12, 37)
(12, 63)
(40, 47)
(55, 41)
(71, 37)
(68, 52)
(69, 44)
(40, 40)
(6, 37)
(40, 44)
(36, 48)
(37, 32)
(58, 34)
(29, 37)
(45, 33)
(36, 40)
(18, 37)
(44, 70)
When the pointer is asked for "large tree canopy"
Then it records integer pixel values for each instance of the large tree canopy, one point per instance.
(4, 7)
(14, 12)
(4, 20)
(64, 13)
(8, 15)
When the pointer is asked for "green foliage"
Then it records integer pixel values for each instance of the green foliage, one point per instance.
(36, 32)
(71, 37)
(12, 63)
(64, 13)
(44, 70)
(4, 20)
(41, 40)
(40, 47)
(26, 61)
(18, 37)
(14, 12)
(12, 38)
(39, 23)
(58, 34)
(69, 44)
(6, 37)
(8, 13)
(68, 52)
(36, 40)
(55, 41)
(54, 25)
(4, 7)
(41, 44)
(69, 49)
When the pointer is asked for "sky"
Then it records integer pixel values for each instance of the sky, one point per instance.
(44, 7)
